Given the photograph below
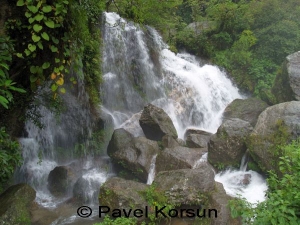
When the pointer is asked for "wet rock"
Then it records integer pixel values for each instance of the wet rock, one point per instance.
(227, 146)
(169, 142)
(245, 109)
(186, 186)
(133, 154)
(156, 123)
(197, 138)
(178, 158)
(219, 200)
(287, 83)
(61, 180)
(277, 125)
(118, 193)
(14, 205)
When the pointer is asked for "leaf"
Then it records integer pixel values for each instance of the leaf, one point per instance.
(54, 87)
(36, 38)
(33, 78)
(47, 8)
(40, 45)
(27, 52)
(20, 90)
(37, 28)
(60, 81)
(20, 3)
(45, 65)
(31, 47)
(20, 55)
(33, 69)
(49, 23)
(39, 17)
(3, 102)
(55, 40)
(53, 76)
(53, 48)
(57, 60)
(45, 36)
(31, 20)
(62, 90)
(32, 8)
(28, 14)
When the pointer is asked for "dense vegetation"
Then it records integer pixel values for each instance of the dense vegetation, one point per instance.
(54, 42)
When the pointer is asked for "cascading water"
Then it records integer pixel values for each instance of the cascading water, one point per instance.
(138, 69)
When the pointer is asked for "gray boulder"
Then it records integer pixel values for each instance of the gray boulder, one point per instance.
(118, 193)
(178, 158)
(133, 154)
(169, 142)
(227, 146)
(277, 125)
(14, 205)
(245, 109)
(287, 83)
(186, 186)
(61, 180)
(219, 200)
(156, 123)
(197, 138)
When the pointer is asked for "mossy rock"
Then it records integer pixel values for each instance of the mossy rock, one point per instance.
(14, 205)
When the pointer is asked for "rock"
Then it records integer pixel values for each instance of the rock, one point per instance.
(61, 180)
(287, 83)
(186, 186)
(227, 146)
(245, 109)
(14, 205)
(277, 125)
(169, 142)
(118, 193)
(156, 123)
(119, 140)
(178, 158)
(219, 200)
(197, 138)
(133, 154)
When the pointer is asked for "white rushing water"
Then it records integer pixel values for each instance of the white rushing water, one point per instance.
(138, 69)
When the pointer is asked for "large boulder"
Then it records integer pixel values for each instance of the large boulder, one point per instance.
(14, 205)
(245, 109)
(276, 126)
(186, 186)
(133, 154)
(178, 158)
(156, 123)
(227, 146)
(118, 193)
(287, 83)
(61, 180)
(219, 200)
(197, 138)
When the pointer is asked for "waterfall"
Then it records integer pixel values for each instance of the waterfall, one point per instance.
(138, 69)
(151, 174)
(241, 183)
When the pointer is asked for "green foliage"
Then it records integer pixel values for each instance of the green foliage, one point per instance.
(250, 39)
(118, 221)
(7, 85)
(282, 205)
(44, 25)
(10, 157)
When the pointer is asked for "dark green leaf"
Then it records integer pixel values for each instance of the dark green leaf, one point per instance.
(49, 23)
(37, 27)
(47, 9)
(45, 36)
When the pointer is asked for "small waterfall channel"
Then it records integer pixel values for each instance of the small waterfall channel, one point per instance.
(138, 69)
